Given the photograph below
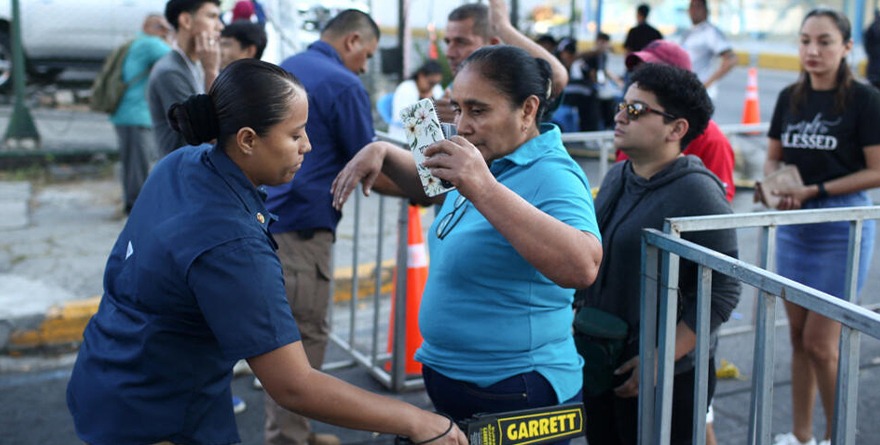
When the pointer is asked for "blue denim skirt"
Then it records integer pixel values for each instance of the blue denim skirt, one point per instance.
(815, 254)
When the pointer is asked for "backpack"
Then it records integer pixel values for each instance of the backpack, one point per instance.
(108, 87)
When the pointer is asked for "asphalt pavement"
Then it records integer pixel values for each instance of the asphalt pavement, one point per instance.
(57, 226)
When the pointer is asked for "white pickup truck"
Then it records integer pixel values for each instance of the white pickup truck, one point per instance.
(59, 34)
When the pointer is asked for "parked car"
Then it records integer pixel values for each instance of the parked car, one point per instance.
(61, 34)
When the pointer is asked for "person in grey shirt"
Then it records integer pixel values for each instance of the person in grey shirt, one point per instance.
(190, 68)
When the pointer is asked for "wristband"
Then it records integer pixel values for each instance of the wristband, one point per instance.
(822, 192)
(448, 429)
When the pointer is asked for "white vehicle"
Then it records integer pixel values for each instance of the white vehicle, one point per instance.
(59, 34)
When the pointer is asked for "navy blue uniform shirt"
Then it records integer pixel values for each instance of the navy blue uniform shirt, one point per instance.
(340, 123)
(192, 285)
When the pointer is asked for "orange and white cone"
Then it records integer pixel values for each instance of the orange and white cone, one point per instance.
(751, 110)
(433, 52)
(416, 277)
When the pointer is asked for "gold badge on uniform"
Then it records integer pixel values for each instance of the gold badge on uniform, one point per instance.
(261, 218)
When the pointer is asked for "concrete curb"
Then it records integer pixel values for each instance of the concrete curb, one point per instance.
(366, 274)
(62, 325)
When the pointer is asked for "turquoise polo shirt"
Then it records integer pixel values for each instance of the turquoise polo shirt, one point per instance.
(486, 313)
(134, 109)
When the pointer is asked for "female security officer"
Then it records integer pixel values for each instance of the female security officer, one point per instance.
(193, 284)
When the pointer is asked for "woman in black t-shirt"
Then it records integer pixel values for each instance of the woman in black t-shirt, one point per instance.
(826, 125)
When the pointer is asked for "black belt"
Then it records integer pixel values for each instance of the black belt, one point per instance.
(307, 234)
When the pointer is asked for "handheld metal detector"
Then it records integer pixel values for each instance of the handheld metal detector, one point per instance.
(525, 427)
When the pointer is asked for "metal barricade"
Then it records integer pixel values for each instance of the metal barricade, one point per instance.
(600, 144)
(661, 253)
(360, 315)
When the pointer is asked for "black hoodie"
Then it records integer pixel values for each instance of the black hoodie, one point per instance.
(626, 204)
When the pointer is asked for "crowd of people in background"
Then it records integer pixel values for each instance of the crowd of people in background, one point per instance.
(235, 173)
(594, 90)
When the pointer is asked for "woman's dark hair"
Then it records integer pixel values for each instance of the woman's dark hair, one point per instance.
(247, 93)
(428, 68)
(680, 93)
(513, 72)
(844, 75)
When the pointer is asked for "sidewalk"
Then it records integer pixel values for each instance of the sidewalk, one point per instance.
(51, 262)
(55, 234)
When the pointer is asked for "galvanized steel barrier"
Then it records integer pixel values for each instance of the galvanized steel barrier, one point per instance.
(661, 253)
(359, 322)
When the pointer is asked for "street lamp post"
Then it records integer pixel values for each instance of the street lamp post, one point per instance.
(21, 132)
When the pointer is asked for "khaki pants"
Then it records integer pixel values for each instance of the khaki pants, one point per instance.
(307, 266)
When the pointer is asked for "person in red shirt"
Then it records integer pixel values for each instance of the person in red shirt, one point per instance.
(712, 147)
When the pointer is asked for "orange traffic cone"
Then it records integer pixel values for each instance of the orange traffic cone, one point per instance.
(433, 52)
(751, 111)
(416, 277)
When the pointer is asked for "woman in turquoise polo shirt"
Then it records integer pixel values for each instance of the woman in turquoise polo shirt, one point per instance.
(193, 284)
(508, 247)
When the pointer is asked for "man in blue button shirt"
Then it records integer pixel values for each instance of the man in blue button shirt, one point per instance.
(340, 123)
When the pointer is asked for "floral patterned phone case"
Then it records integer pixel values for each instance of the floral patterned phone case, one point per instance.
(423, 129)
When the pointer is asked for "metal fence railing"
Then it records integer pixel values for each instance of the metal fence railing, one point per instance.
(373, 245)
(661, 253)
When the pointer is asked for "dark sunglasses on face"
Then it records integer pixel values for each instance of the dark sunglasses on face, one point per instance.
(637, 109)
